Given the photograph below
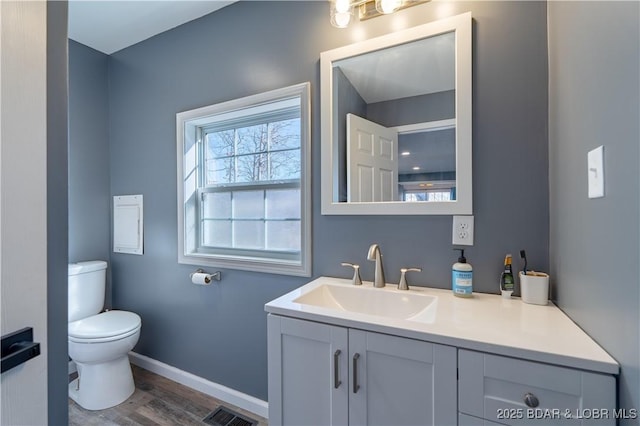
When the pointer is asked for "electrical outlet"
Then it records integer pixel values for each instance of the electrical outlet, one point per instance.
(462, 230)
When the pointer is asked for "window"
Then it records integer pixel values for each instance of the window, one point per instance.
(244, 183)
(434, 195)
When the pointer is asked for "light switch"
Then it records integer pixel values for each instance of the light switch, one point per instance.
(595, 164)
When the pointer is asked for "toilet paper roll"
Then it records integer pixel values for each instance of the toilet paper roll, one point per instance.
(201, 278)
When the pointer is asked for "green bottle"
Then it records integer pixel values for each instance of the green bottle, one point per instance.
(506, 278)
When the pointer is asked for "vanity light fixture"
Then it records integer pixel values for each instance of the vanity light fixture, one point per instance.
(341, 11)
(405, 153)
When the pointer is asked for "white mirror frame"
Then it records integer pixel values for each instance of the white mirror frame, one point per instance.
(463, 204)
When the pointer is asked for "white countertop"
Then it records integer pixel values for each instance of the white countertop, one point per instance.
(484, 322)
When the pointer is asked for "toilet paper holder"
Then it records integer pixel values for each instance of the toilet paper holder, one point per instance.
(216, 276)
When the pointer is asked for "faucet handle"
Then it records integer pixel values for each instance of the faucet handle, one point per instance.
(356, 280)
(402, 285)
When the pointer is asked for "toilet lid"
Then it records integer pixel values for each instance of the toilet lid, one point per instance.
(106, 324)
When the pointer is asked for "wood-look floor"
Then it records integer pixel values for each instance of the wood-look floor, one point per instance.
(156, 401)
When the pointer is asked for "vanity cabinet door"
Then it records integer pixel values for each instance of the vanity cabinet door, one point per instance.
(398, 381)
(307, 369)
(465, 420)
(517, 392)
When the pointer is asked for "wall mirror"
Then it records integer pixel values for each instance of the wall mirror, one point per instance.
(396, 122)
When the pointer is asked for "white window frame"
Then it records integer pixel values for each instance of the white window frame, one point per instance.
(186, 123)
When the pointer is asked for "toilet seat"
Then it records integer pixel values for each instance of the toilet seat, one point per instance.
(104, 327)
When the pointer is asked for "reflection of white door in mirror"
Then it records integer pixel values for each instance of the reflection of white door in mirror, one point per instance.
(372, 161)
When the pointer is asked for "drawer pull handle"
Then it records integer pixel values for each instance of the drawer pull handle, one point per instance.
(531, 400)
(356, 386)
(336, 374)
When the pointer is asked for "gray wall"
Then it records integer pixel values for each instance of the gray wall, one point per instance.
(89, 196)
(414, 109)
(219, 332)
(347, 100)
(594, 51)
(57, 213)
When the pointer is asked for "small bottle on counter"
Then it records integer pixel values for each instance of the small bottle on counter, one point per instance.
(506, 278)
(462, 277)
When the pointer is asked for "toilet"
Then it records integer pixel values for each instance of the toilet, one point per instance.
(99, 342)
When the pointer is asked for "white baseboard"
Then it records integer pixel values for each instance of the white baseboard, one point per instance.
(223, 393)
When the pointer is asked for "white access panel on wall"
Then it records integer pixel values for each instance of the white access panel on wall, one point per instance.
(128, 224)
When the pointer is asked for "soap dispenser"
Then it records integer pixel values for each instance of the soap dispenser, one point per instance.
(462, 277)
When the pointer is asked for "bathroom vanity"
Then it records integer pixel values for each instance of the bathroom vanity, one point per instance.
(342, 354)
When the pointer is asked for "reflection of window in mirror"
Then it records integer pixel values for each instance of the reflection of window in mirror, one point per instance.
(244, 183)
(427, 195)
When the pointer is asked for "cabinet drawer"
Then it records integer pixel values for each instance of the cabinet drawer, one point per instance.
(514, 392)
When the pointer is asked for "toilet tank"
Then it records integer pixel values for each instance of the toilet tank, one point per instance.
(86, 282)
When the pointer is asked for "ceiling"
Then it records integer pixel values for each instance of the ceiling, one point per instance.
(109, 26)
(417, 68)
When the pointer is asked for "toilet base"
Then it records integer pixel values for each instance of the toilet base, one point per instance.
(103, 385)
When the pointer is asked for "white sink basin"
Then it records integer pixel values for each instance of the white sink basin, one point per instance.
(383, 302)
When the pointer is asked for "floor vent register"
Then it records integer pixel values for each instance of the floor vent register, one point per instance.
(223, 416)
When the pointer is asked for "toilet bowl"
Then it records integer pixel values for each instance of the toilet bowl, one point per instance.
(99, 343)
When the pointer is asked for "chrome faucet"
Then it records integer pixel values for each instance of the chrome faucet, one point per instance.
(374, 254)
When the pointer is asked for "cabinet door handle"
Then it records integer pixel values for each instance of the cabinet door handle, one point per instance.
(531, 400)
(336, 374)
(356, 386)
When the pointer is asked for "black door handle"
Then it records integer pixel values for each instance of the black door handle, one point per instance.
(18, 347)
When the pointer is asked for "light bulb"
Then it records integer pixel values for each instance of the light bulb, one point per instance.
(342, 6)
(387, 6)
(341, 13)
(341, 20)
